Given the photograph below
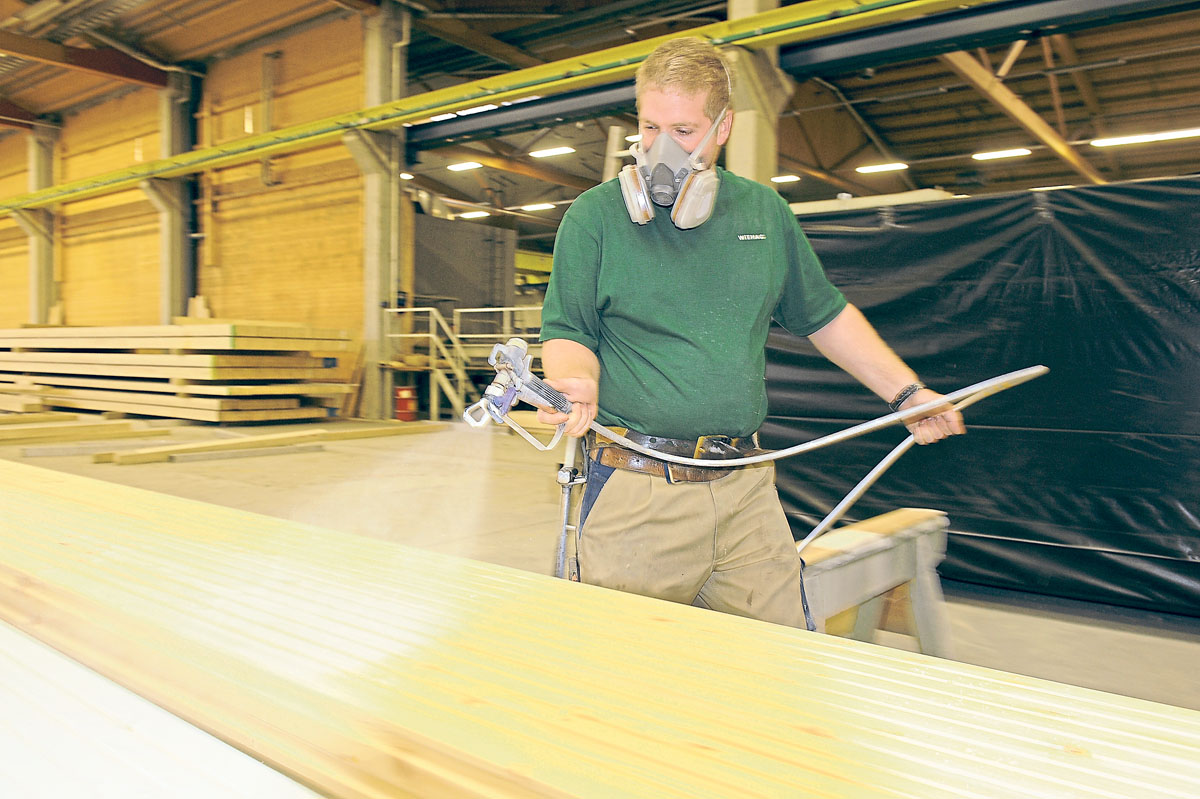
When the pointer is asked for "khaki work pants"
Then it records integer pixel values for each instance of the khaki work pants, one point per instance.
(724, 544)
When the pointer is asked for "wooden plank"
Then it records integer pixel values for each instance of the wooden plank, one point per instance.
(35, 418)
(53, 395)
(298, 389)
(25, 431)
(179, 343)
(194, 414)
(89, 447)
(207, 328)
(20, 403)
(367, 669)
(180, 372)
(9, 359)
(295, 449)
(162, 454)
(71, 433)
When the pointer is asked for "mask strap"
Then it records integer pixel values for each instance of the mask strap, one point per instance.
(694, 158)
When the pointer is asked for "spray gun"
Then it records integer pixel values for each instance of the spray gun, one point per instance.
(515, 381)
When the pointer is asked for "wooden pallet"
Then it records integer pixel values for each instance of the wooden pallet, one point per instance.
(367, 669)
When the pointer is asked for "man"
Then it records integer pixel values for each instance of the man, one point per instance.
(655, 323)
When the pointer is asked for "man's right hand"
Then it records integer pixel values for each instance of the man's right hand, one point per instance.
(584, 394)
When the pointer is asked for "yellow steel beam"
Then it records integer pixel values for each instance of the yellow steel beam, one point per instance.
(991, 87)
(517, 167)
(800, 22)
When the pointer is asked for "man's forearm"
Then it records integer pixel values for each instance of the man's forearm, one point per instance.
(574, 370)
(850, 342)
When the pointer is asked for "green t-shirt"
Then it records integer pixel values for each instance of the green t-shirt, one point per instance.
(678, 318)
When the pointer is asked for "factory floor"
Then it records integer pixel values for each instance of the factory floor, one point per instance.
(488, 495)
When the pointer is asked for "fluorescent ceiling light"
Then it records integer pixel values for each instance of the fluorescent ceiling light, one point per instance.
(479, 109)
(406, 176)
(464, 166)
(636, 137)
(1167, 135)
(473, 215)
(550, 151)
(442, 117)
(1016, 152)
(785, 178)
(538, 207)
(1053, 188)
(866, 170)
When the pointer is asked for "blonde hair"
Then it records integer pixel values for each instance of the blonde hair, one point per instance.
(690, 66)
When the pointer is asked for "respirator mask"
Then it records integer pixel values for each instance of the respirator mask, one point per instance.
(668, 176)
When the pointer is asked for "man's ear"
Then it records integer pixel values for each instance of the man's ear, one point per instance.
(726, 127)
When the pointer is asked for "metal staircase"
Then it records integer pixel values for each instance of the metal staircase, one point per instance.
(421, 340)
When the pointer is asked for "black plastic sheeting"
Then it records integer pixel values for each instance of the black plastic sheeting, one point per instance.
(1083, 483)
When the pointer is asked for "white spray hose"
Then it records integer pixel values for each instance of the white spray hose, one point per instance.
(960, 399)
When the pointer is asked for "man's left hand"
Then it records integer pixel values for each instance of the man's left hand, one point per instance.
(938, 423)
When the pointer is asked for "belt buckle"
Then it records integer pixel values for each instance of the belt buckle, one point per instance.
(703, 442)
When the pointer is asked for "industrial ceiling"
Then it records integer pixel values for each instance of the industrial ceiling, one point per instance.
(930, 91)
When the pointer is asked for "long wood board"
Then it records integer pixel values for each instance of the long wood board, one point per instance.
(159, 372)
(177, 343)
(54, 396)
(214, 330)
(11, 360)
(196, 414)
(201, 388)
(368, 669)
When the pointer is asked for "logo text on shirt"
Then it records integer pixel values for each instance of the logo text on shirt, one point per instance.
(751, 236)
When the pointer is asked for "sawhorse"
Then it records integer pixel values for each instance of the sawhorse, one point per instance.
(854, 570)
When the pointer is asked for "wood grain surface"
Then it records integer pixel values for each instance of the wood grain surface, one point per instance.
(363, 668)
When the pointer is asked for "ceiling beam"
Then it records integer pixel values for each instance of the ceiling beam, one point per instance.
(825, 176)
(14, 116)
(104, 62)
(981, 25)
(547, 174)
(460, 33)
(368, 7)
(966, 67)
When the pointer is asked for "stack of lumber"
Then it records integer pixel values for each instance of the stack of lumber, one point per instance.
(211, 372)
(362, 668)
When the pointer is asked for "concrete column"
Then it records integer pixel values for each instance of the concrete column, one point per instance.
(616, 144)
(760, 93)
(172, 199)
(387, 256)
(38, 225)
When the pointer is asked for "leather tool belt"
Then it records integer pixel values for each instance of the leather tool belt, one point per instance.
(716, 448)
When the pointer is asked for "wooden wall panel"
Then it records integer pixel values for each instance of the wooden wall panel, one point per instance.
(14, 245)
(109, 261)
(108, 252)
(284, 239)
(289, 253)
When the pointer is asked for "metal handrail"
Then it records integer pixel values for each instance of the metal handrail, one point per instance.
(506, 327)
(438, 336)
